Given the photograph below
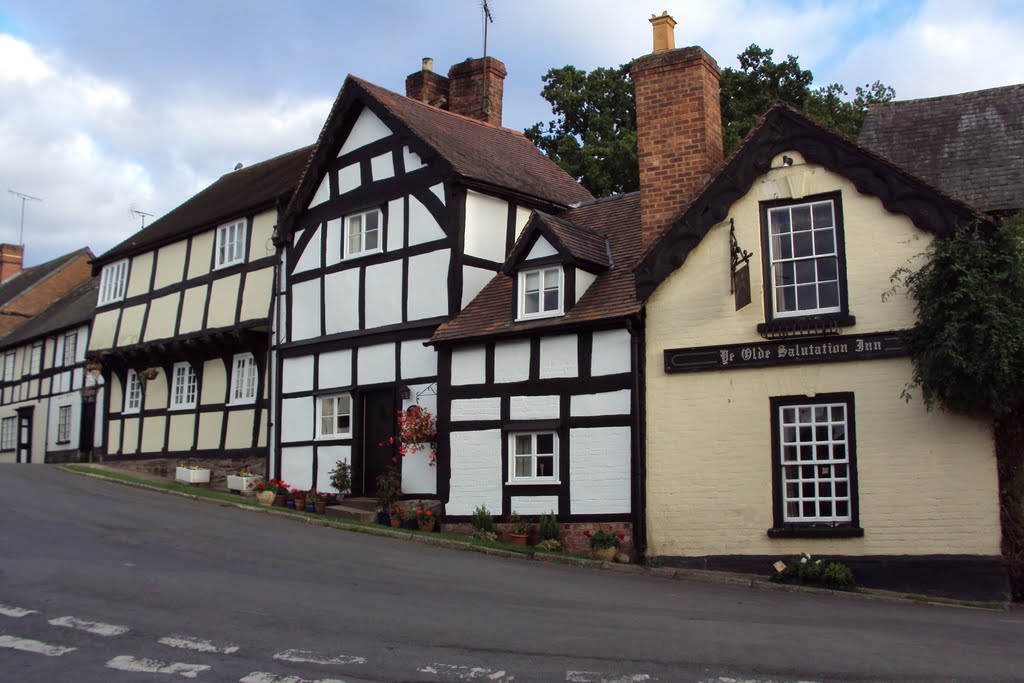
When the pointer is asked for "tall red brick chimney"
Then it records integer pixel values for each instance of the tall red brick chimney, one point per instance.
(427, 86)
(679, 126)
(11, 256)
(476, 87)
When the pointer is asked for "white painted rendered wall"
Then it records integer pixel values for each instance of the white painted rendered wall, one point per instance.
(474, 280)
(327, 458)
(469, 409)
(469, 365)
(534, 407)
(367, 128)
(306, 310)
(486, 224)
(540, 249)
(584, 279)
(595, 405)
(376, 364)
(599, 470)
(423, 227)
(384, 294)
(476, 477)
(297, 466)
(341, 291)
(559, 356)
(419, 475)
(512, 361)
(428, 284)
(535, 505)
(610, 353)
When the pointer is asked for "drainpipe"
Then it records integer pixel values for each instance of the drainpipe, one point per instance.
(639, 479)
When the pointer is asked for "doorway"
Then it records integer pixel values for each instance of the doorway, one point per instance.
(378, 425)
(24, 453)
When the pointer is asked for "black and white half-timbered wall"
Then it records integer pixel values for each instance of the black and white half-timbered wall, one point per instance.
(182, 325)
(48, 397)
(405, 213)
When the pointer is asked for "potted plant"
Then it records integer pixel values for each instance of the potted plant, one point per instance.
(397, 513)
(341, 478)
(241, 481)
(425, 519)
(604, 544)
(389, 490)
(320, 502)
(191, 473)
(299, 497)
(273, 490)
(417, 431)
(519, 529)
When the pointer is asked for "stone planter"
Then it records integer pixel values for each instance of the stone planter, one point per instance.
(605, 554)
(265, 497)
(241, 484)
(201, 476)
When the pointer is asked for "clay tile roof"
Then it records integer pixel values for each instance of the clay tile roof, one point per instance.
(29, 277)
(233, 195)
(969, 145)
(580, 242)
(480, 151)
(612, 296)
(73, 309)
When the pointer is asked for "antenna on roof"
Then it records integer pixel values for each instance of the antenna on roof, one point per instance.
(139, 214)
(488, 19)
(21, 226)
(485, 100)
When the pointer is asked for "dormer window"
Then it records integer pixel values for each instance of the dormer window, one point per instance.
(540, 293)
(230, 244)
(363, 233)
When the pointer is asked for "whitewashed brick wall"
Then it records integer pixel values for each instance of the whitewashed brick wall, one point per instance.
(476, 471)
(534, 407)
(599, 470)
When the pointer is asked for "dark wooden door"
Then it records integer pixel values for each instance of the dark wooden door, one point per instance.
(24, 435)
(378, 425)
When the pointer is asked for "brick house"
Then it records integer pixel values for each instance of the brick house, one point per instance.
(25, 292)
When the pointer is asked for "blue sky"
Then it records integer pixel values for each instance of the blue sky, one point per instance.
(106, 105)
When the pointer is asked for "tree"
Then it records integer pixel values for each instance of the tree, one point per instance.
(967, 348)
(593, 134)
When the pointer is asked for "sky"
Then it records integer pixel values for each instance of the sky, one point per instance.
(112, 105)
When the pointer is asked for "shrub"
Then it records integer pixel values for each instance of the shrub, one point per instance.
(837, 575)
(482, 519)
(804, 570)
(550, 544)
(603, 539)
(549, 527)
(485, 535)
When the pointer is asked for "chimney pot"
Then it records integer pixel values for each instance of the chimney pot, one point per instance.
(428, 63)
(664, 32)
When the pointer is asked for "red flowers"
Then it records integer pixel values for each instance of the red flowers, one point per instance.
(622, 537)
(587, 533)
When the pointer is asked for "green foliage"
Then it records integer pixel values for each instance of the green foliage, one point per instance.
(593, 134)
(967, 344)
(389, 487)
(482, 519)
(603, 539)
(805, 570)
(550, 544)
(341, 477)
(837, 575)
(518, 525)
(549, 527)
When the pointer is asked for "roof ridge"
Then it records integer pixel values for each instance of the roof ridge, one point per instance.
(364, 82)
(966, 93)
(609, 198)
(250, 167)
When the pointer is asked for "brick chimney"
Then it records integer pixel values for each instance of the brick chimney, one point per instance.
(11, 256)
(679, 126)
(427, 86)
(475, 89)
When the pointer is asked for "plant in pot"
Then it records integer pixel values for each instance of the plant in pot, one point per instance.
(397, 514)
(483, 524)
(320, 500)
(299, 497)
(241, 481)
(311, 499)
(389, 490)
(270, 492)
(341, 478)
(519, 529)
(425, 519)
(417, 431)
(604, 544)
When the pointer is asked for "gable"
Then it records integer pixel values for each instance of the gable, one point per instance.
(367, 128)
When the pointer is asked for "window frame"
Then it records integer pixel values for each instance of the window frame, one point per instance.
(841, 314)
(533, 479)
(10, 361)
(521, 292)
(319, 433)
(189, 391)
(64, 424)
(239, 244)
(35, 359)
(132, 393)
(9, 433)
(815, 528)
(113, 282)
(249, 381)
(348, 253)
(73, 337)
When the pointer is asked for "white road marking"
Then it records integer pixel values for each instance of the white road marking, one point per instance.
(16, 612)
(264, 677)
(151, 666)
(602, 677)
(36, 646)
(313, 658)
(197, 644)
(466, 673)
(94, 627)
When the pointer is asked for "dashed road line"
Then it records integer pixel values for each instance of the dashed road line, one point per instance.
(466, 673)
(602, 677)
(16, 612)
(152, 666)
(94, 627)
(39, 647)
(313, 658)
(197, 644)
(265, 677)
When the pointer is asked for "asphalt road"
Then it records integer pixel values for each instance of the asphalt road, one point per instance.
(103, 582)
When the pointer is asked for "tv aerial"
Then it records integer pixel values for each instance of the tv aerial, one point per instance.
(137, 213)
(21, 226)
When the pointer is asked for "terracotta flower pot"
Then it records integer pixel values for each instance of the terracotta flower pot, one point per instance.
(520, 539)
(280, 499)
(321, 507)
(396, 522)
(426, 525)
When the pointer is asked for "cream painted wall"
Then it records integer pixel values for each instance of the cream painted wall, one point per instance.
(261, 440)
(142, 269)
(113, 435)
(103, 327)
(130, 435)
(182, 435)
(156, 392)
(153, 433)
(256, 297)
(209, 430)
(161, 317)
(116, 395)
(239, 429)
(170, 264)
(261, 245)
(192, 309)
(215, 382)
(201, 254)
(927, 481)
(223, 300)
(131, 325)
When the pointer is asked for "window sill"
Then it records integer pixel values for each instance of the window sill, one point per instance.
(332, 437)
(223, 266)
(361, 254)
(539, 316)
(240, 403)
(816, 531)
(533, 482)
(187, 407)
(63, 443)
(805, 325)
